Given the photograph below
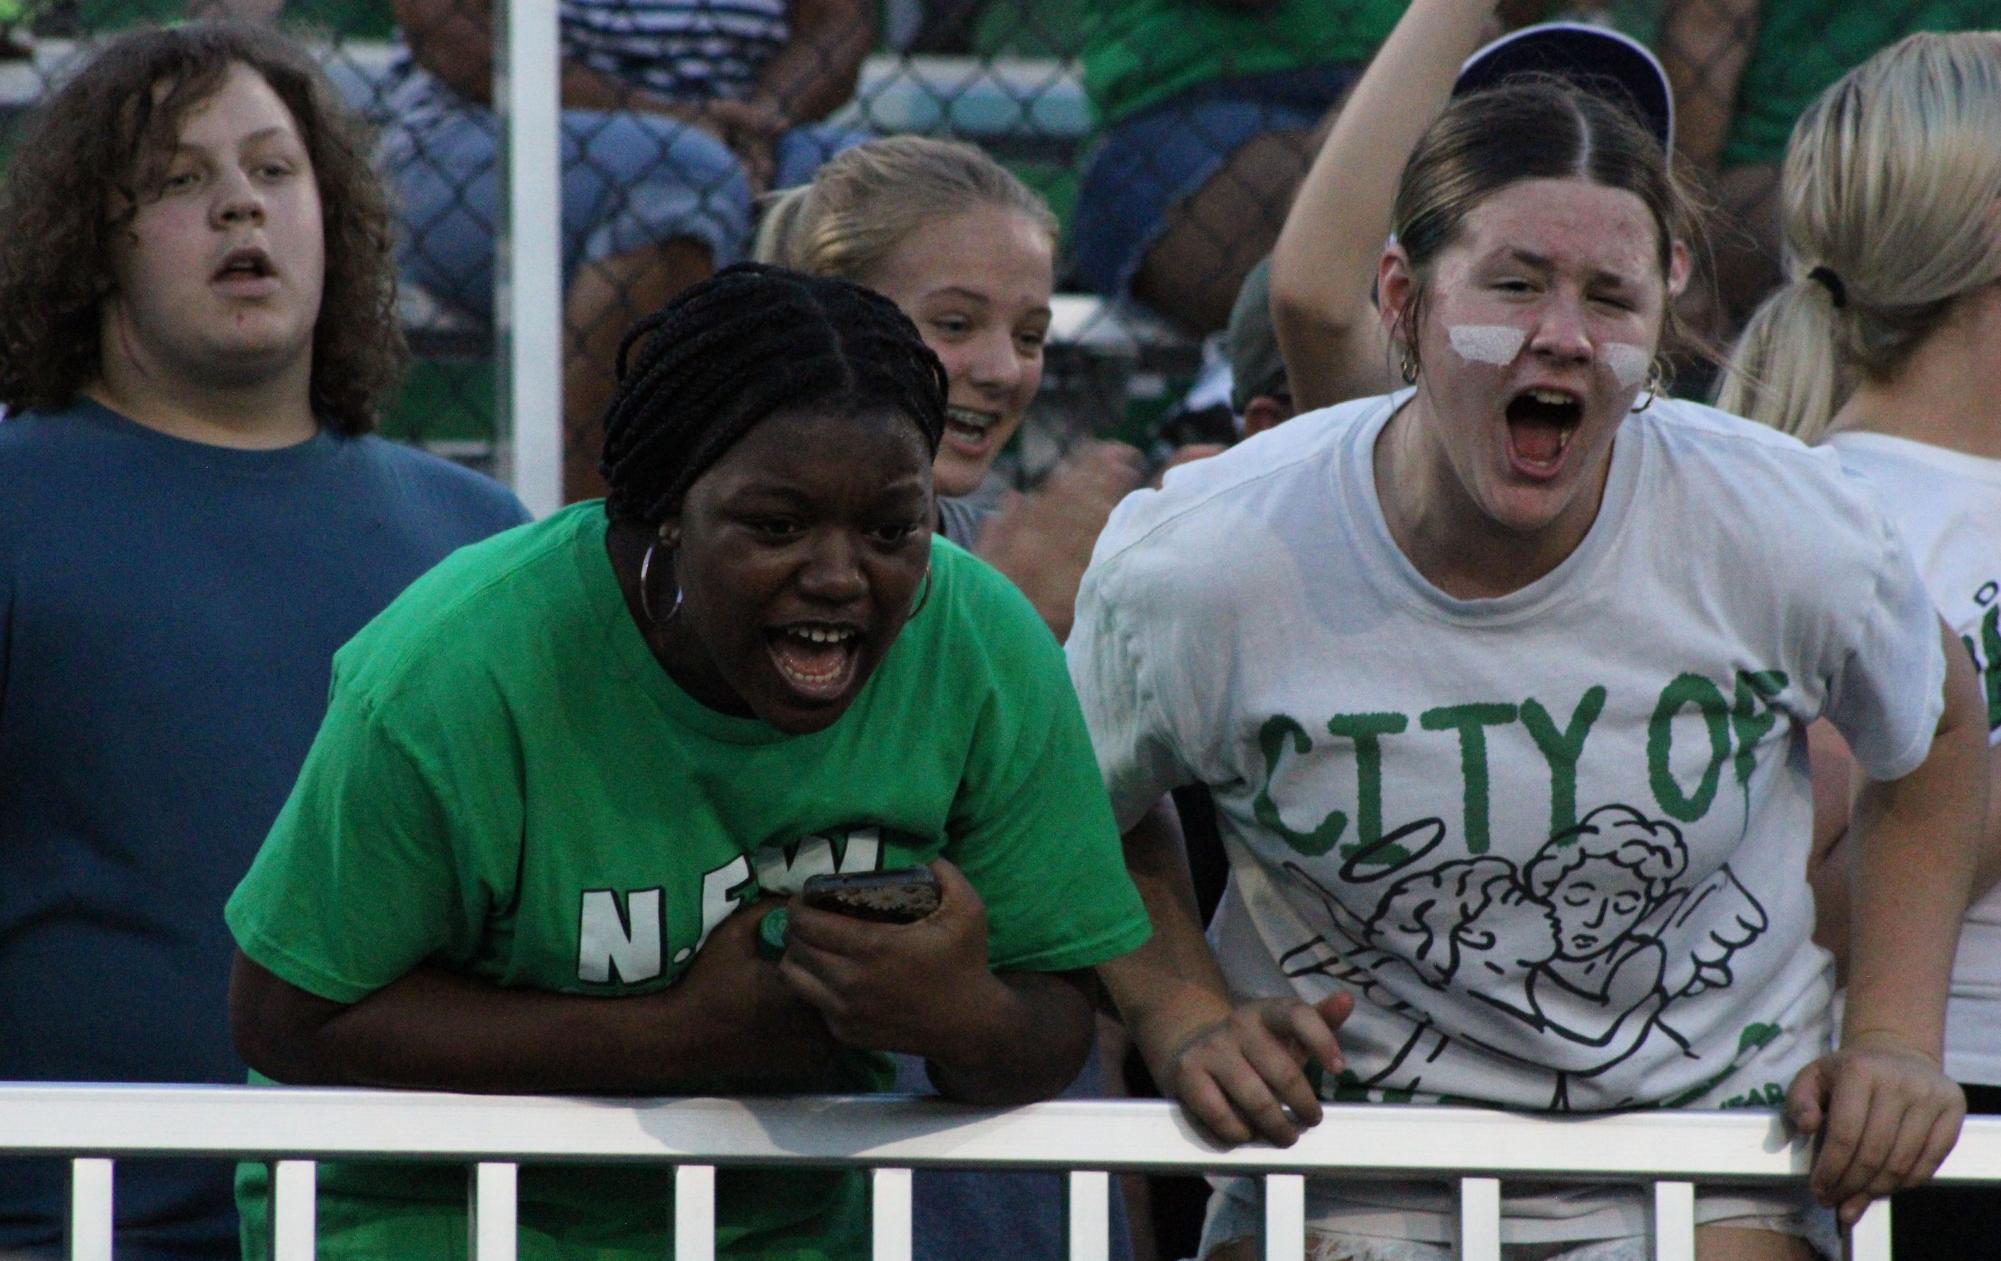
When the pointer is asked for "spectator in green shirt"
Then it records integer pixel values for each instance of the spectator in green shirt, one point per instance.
(1208, 108)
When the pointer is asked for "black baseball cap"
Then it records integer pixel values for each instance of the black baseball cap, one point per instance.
(1598, 60)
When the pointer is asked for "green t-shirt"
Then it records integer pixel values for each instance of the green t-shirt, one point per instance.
(508, 783)
(1144, 51)
(1803, 46)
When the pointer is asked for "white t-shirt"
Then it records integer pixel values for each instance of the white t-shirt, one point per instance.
(1555, 841)
(1948, 507)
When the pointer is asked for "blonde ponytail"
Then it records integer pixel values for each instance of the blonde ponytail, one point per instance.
(1887, 199)
(1783, 371)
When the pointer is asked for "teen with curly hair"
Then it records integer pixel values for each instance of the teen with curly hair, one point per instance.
(195, 335)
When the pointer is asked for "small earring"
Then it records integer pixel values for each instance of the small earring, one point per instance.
(924, 595)
(1408, 366)
(1656, 377)
(646, 584)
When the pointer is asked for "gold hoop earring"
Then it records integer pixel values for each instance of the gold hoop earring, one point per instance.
(1408, 366)
(646, 586)
(1656, 377)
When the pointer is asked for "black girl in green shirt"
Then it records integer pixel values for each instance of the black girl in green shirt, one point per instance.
(582, 762)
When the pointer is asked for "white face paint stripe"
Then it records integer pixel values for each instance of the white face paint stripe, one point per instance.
(1486, 343)
(1629, 363)
(1498, 344)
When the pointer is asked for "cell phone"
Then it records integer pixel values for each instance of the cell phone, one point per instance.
(902, 896)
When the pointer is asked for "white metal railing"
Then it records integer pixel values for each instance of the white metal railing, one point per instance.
(891, 1135)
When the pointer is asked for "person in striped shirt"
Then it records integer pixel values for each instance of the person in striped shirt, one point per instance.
(677, 115)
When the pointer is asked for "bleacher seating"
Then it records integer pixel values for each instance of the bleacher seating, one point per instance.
(1019, 108)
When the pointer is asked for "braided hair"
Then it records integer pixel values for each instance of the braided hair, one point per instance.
(748, 342)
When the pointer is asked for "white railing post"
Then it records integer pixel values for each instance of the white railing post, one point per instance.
(90, 1209)
(528, 268)
(1479, 1219)
(889, 1213)
(1285, 1217)
(496, 1234)
(1090, 1203)
(1869, 1240)
(294, 1210)
(695, 1213)
(1674, 1221)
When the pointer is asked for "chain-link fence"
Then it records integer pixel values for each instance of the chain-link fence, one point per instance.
(1166, 135)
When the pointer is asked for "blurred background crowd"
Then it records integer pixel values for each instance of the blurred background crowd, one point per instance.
(1167, 136)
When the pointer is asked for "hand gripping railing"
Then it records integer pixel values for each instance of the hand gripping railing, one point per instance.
(890, 1136)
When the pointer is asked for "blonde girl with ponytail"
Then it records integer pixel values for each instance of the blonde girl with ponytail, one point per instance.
(1882, 346)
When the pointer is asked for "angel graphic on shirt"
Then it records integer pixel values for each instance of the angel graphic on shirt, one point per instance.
(1586, 947)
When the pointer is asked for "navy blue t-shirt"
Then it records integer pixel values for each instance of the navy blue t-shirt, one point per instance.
(168, 615)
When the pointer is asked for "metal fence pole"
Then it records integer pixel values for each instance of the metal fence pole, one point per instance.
(528, 280)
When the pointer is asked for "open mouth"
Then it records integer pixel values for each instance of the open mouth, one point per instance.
(969, 428)
(816, 659)
(1541, 423)
(245, 265)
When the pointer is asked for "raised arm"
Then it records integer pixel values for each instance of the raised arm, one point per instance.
(1324, 264)
(1884, 1110)
(729, 1018)
(1238, 1066)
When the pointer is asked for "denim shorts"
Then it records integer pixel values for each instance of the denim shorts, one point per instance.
(629, 180)
(1144, 164)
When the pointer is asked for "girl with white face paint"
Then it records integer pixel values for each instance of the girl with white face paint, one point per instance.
(1324, 263)
(1527, 314)
(1469, 621)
